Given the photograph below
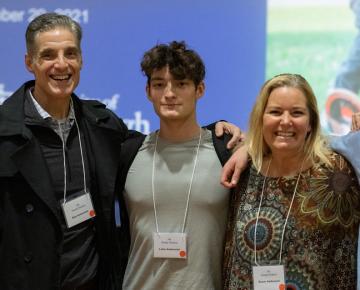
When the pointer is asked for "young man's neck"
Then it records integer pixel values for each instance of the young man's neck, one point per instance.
(178, 131)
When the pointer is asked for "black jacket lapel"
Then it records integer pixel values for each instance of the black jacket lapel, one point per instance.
(30, 163)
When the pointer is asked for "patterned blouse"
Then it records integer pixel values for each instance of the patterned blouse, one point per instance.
(320, 240)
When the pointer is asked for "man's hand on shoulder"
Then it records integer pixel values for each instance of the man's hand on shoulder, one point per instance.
(223, 127)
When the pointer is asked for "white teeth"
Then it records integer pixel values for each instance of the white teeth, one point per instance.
(285, 134)
(61, 78)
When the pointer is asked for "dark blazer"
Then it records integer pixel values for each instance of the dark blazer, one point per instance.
(30, 231)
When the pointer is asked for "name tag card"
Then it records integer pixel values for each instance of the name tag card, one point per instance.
(78, 210)
(269, 277)
(170, 245)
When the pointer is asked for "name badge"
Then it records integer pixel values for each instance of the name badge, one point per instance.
(269, 277)
(170, 245)
(78, 210)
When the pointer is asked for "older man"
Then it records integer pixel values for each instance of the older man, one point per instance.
(58, 161)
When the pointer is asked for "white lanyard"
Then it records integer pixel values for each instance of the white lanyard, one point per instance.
(287, 216)
(190, 185)
(64, 158)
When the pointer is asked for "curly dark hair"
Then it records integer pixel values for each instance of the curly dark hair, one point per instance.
(182, 61)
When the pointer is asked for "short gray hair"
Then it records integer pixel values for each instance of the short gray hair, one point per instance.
(49, 21)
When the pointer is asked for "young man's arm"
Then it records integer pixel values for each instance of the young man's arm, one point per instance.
(238, 161)
(233, 168)
(223, 127)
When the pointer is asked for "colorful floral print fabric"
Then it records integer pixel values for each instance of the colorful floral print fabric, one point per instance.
(320, 239)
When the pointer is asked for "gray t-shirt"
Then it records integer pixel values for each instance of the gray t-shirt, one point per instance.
(206, 220)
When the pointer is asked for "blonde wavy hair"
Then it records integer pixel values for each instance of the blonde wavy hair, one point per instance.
(315, 149)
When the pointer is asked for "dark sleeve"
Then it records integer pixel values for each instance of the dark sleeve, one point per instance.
(128, 134)
(211, 126)
(220, 144)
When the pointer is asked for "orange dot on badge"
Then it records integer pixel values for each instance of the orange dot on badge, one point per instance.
(282, 287)
(92, 213)
(182, 254)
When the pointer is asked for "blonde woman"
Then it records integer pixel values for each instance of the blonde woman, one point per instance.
(295, 215)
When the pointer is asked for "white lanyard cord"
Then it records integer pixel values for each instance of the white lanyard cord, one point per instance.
(64, 158)
(287, 216)
(190, 185)
(191, 182)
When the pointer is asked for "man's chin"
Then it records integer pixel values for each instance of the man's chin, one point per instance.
(61, 94)
(62, 91)
(170, 115)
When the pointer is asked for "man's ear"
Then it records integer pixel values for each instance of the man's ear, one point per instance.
(200, 90)
(147, 89)
(29, 62)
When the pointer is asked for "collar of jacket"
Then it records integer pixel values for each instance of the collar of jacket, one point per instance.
(24, 154)
(12, 112)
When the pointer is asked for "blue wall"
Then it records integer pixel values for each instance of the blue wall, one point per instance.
(230, 35)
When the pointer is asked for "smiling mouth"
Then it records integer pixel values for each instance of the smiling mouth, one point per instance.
(61, 77)
(285, 134)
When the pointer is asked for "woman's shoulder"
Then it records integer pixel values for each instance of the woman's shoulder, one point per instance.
(332, 190)
(338, 162)
(339, 168)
